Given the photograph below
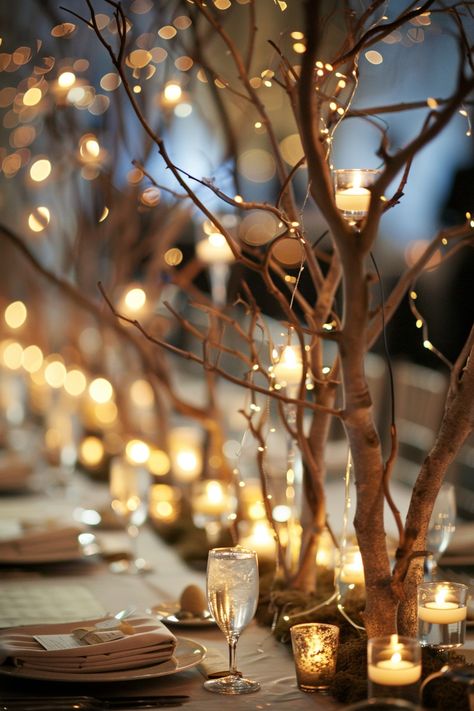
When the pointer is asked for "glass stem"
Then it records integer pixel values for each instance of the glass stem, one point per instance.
(133, 532)
(232, 658)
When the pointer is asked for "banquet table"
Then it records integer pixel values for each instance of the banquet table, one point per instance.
(259, 655)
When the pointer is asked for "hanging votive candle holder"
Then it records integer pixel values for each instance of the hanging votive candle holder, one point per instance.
(288, 368)
(315, 653)
(350, 569)
(352, 192)
(442, 612)
(394, 667)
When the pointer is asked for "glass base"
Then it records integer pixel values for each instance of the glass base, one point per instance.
(232, 684)
(125, 566)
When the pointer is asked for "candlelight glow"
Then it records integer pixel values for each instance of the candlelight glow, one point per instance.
(159, 462)
(12, 355)
(75, 382)
(172, 92)
(137, 451)
(135, 299)
(32, 359)
(141, 394)
(441, 595)
(66, 80)
(15, 314)
(101, 390)
(91, 451)
(55, 373)
(38, 220)
(40, 170)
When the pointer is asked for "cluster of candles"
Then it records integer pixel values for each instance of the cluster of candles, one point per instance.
(393, 662)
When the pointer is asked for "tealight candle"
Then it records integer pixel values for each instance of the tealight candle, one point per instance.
(394, 667)
(442, 613)
(213, 501)
(351, 569)
(352, 195)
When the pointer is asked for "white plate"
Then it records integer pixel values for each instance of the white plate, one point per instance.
(167, 612)
(187, 654)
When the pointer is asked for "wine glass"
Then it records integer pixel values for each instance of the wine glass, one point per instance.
(441, 527)
(129, 486)
(232, 595)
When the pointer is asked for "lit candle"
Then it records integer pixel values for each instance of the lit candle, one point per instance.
(355, 198)
(394, 671)
(314, 648)
(442, 611)
(352, 570)
(289, 369)
(214, 249)
(260, 539)
(397, 664)
(185, 450)
(214, 500)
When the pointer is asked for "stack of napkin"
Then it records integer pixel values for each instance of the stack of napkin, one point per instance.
(92, 646)
(15, 472)
(39, 543)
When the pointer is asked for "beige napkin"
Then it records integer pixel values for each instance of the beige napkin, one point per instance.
(38, 544)
(15, 471)
(140, 641)
(214, 665)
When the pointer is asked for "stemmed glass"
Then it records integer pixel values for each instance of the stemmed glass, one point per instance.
(232, 595)
(129, 487)
(441, 528)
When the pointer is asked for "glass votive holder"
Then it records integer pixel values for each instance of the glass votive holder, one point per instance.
(442, 612)
(394, 667)
(315, 652)
(352, 192)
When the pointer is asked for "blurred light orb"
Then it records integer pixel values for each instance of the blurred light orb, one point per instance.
(89, 147)
(281, 513)
(135, 299)
(101, 390)
(139, 58)
(75, 382)
(32, 97)
(137, 451)
(258, 227)
(151, 196)
(173, 257)
(159, 462)
(39, 219)
(292, 149)
(141, 393)
(12, 355)
(91, 451)
(106, 413)
(15, 314)
(183, 110)
(172, 92)
(32, 359)
(55, 373)
(66, 80)
(40, 170)
(257, 165)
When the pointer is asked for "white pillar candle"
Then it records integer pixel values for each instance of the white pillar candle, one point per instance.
(260, 539)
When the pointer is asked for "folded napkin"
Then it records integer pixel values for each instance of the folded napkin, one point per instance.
(88, 646)
(42, 542)
(15, 471)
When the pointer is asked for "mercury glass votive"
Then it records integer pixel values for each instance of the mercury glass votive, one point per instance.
(394, 667)
(442, 612)
(315, 652)
(352, 192)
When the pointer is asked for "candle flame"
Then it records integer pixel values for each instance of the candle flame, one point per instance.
(357, 179)
(289, 356)
(396, 658)
(441, 595)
